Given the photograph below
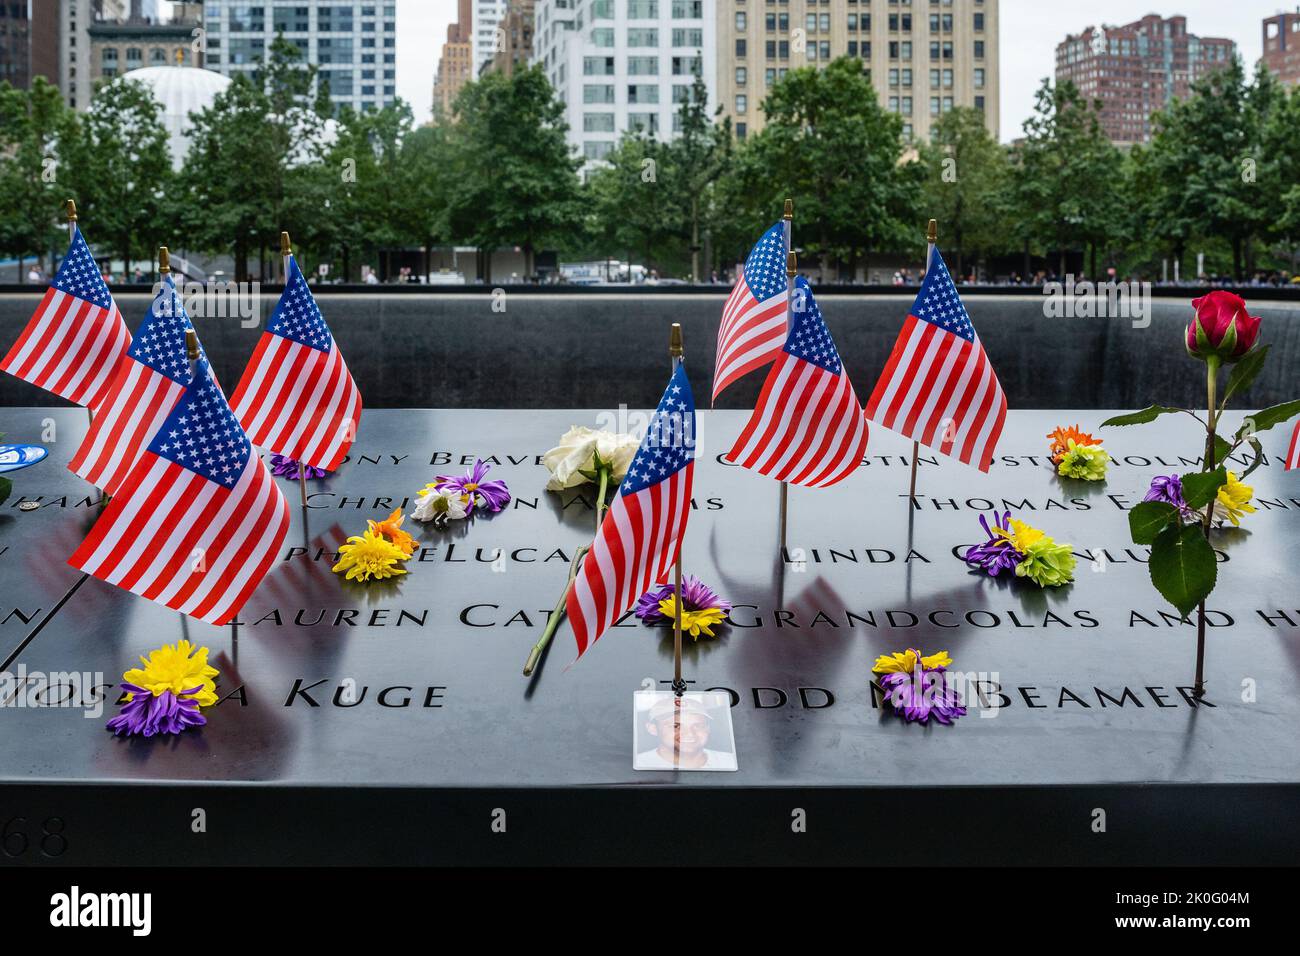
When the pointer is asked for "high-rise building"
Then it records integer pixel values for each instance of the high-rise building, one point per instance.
(140, 40)
(488, 15)
(1282, 46)
(456, 63)
(76, 79)
(1135, 70)
(924, 57)
(29, 42)
(625, 66)
(354, 44)
(516, 37)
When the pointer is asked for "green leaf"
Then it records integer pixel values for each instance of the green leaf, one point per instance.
(1148, 519)
(1141, 418)
(1266, 418)
(1257, 460)
(1200, 487)
(1244, 372)
(1183, 566)
(6, 486)
(1222, 448)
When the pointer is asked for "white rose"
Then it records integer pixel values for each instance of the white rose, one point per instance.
(577, 451)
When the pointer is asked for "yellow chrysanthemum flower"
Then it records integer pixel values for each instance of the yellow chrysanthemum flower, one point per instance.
(176, 667)
(1021, 535)
(904, 662)
(693, 622)
(1233, 500)
(369, 555)
(391, 528)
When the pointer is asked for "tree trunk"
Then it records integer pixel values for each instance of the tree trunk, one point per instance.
(22, 276)
(241, 260)
(1092, 266)
(1028, 264)
(1236, 258)
(695, 240)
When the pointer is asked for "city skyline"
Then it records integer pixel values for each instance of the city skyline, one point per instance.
(1023, 65)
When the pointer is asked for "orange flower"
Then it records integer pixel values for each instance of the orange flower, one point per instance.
(1061, 438)
(391, 528)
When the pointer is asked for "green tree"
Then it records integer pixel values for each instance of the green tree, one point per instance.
(968, 174)
(243, 173)
(1067, 175)
(119, 170)
(516, 177)
(35, 127)
(828, 144)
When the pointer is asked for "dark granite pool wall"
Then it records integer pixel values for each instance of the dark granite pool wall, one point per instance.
(600, 350)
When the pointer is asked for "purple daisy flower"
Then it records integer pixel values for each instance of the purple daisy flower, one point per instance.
(696, 595)
(284, 467)
(492, 495)
(997, 554)
(166, 713)
(923, 693)
(1168, 488)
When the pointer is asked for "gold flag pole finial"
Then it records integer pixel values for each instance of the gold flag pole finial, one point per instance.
(675, 348)
(791, 265)
(286, 247)
(788, 213)
(71, 206)
(932, 232)
(164, 260)
(192, 345)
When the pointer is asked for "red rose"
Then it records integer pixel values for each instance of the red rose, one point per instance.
(1221, 327)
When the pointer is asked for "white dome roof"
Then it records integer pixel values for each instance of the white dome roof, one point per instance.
(181, 90)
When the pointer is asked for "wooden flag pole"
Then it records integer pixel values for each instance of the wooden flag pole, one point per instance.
(676, 353)
(71, 209)
(787, 221)
(931, 237)
(286, 250)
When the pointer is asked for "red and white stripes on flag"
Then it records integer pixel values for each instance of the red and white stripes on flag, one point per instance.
(938, 387)
(296, 397)
(753, 320)
(199, 521)
(150, 377)
(642, 531)
(72, 343)
(1293, 453)
(808, 427)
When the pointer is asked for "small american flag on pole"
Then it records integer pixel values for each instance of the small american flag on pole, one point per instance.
(753, 320)
(73, 341)
(297, 397)
(149, 379)
(808, 426)
(938, 387)
(1293, 453)
(199, 521)
(642, 530)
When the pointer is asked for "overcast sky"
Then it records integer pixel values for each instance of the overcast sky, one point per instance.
(1030, 31)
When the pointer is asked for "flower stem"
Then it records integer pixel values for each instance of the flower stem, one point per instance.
(600, 497)
(1211, 386)
(557, 615)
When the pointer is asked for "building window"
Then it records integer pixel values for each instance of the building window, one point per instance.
(979, 49)
(643, 9)
(979, 21)
(979, 78)
(740, 21)
(643, 66)
(742, 76)
(596, 150)
(681, 93)
(742, 103)
(742, 129)
(688, 9)
(604, 37)
(598, 66)
(601, 93)
(692, 37)
(643, 122)
(685, 66)
(598, 122)
(979, 103)
(643, 93)
(642, 36)
(740, 46)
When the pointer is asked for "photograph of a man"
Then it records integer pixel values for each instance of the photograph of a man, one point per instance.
(691, 732)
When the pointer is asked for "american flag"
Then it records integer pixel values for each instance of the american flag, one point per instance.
(199, 521)
(149, 379)
(642, 530)
(753, 320)
(1293, 453)
(297, 398)
(73, 341)
(938, 387)
(808, 426)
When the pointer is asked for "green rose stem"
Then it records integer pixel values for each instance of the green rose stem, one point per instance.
(557, 615)
(1212, 421)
